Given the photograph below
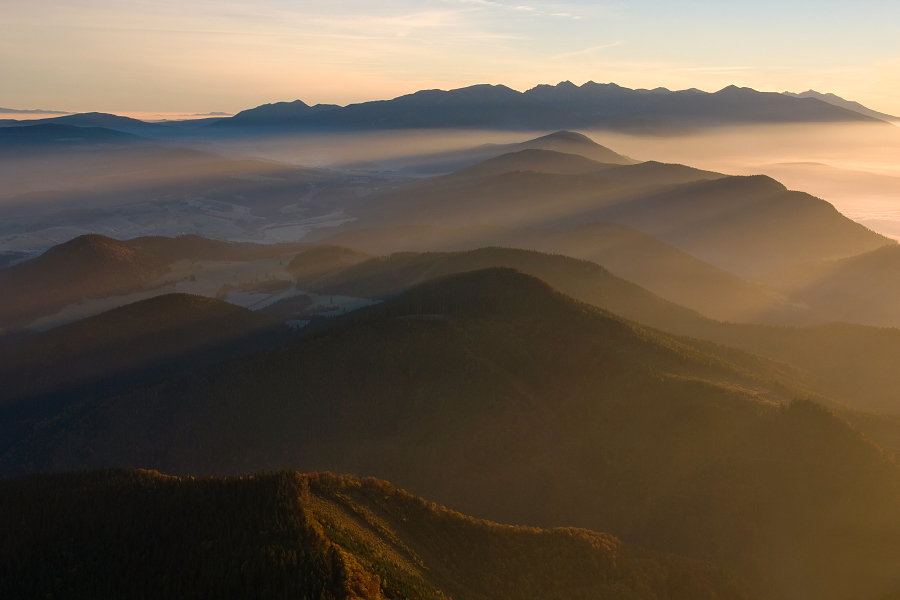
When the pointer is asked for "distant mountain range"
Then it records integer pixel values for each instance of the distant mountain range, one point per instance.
(54, 136)
(561, 106)
(35, 111)
(552, 107)
(848, 104)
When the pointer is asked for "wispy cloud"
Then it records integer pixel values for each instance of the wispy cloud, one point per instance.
(590, 50)
(711, 70)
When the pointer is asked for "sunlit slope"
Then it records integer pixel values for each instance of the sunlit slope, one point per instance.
(663, 269)
(861, 289)
(585, 281)
(490, 392)
(851, 364)
(571, 142)
(667, 271)
(746, 225)
(313, 536)
(538, 161)
(566, 142)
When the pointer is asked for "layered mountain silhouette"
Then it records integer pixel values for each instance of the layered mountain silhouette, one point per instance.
(860, 289)
(552, 107)
(312, 536)
(54, 136)
(45, 374)
(746, 225)
(490, 392)
(88, 266)
(441, 163)
(849, 363)
(96, 266)
(167, 333)
(843, 103)
(91, 119)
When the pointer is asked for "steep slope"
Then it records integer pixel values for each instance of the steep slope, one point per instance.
(490, 392)
(311, 536)
(747, 225)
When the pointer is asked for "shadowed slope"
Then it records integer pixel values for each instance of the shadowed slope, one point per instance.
(491, 392)
(152, 336)
(126, 347)
(852, 364)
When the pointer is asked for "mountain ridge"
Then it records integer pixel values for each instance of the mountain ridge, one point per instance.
(563, 106)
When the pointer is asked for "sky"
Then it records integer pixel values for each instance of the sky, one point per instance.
(199, 56)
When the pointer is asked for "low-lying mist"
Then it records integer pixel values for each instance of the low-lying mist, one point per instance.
(854, 167)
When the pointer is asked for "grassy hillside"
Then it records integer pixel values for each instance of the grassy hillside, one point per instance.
(490, 392)
(316, 536)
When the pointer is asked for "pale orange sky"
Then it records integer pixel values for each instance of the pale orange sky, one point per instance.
(197, 56)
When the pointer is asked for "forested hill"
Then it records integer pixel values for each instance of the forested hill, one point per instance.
(138, 534)
(490, 392)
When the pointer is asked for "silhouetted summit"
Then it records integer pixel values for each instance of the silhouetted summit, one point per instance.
(564, 105)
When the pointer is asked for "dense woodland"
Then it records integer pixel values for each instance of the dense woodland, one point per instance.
(492, 393)
(139, 534)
